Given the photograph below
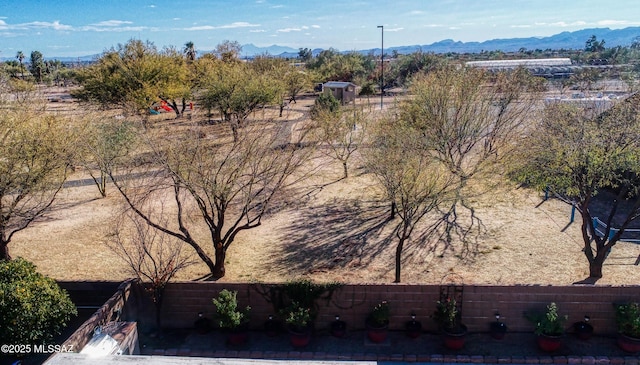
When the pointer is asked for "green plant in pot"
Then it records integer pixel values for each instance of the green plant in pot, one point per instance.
(378, 322)
(230, 318)
(549, 326)
(449, 319)
(298, 319)
(628, 322)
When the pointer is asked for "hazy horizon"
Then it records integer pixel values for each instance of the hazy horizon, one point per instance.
(68, 28)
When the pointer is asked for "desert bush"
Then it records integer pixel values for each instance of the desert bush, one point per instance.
(33, 308)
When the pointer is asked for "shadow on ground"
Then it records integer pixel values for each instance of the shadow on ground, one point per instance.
(340, 234)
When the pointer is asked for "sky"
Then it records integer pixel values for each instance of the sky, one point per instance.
(74, 28)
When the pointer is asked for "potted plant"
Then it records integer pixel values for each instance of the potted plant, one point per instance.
(549, 328)
(378, 322)
(230, 318)
(298, 320)
(628, 322)
(448, 318)
(583, 329)
(497, 329)
(413, 327)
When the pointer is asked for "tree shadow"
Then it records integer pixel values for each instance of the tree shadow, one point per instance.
(587, 281)
(341, 234)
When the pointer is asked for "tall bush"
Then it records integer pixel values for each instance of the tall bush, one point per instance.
(33, 308)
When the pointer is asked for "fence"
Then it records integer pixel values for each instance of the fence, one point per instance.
(184, 300)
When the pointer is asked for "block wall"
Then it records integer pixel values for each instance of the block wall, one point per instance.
(183, 301)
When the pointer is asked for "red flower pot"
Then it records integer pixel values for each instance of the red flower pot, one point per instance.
(455, 340)
(549, 343)
(377, 334)
(238, 337)
(299, 337)
(628, 344)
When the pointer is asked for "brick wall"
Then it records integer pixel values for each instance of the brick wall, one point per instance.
(183, 301)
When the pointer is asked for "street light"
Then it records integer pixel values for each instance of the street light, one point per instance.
(381, 64)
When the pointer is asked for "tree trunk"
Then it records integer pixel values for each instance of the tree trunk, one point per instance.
(344, 169)
(398, 259)
(4, 251)
(218, 268)
(595, 266)
(234, 129)
(393, 210)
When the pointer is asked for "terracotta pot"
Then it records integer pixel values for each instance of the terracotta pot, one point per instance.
(377, 334)
(299, 337)
(549, 343)
(455, 340)
(497, 330)
(237, 337)
(628, 344)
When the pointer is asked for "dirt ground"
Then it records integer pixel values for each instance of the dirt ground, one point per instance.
(339, 233)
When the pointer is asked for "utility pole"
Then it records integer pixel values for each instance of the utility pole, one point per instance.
(381, 65)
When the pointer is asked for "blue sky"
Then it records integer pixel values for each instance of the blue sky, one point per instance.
(70, 28)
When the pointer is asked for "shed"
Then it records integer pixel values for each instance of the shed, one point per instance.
(345, 92)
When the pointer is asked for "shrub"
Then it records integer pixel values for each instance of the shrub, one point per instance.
(227, 312)
(33, 308)
(549, 323)
(628, 319)
(379, 316)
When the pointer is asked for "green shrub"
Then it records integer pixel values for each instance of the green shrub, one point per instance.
(628, 319)
(549, 323)
(227, 312)
(33, 308)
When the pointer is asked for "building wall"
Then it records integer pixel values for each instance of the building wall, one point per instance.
(184, 300)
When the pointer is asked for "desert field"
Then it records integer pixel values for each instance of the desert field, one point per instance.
(337, 231)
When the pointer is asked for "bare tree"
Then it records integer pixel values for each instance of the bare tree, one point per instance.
(105, 145)
(231, 183)
(460, 125)
(341, 133)
(152, 256)
(36, 151)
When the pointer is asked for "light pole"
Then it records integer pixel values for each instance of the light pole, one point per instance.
(381, 64)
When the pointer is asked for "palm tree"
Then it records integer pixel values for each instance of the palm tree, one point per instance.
(20, 57)
(190, 51)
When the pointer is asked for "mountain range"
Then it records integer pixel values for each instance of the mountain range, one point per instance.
(565, 40)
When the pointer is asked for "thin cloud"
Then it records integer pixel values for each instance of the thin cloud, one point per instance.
(257, 31)
(111, 23)
(56, 25)
(565, 24)
(316, 26)
(288, 30)
(225, 26)
(238, 25)
(614, 22)
(394, 29)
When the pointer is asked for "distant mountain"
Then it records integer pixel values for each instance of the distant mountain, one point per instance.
(564, 40)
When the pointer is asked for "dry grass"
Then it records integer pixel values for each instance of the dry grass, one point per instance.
(340, 232)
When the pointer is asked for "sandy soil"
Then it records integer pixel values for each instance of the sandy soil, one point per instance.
(340, 233)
